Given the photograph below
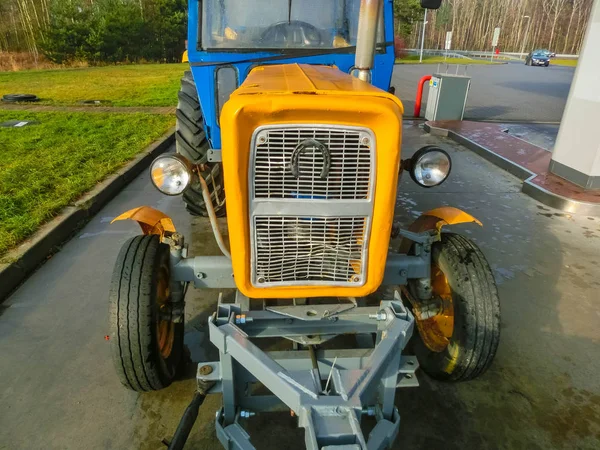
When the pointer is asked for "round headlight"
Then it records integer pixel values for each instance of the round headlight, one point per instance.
(171, 174)
(430, 166)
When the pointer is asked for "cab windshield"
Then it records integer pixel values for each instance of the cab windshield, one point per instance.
(280, 24)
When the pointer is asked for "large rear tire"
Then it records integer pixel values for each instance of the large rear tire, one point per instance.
(470, 318)
(192, 143)
(146, 347)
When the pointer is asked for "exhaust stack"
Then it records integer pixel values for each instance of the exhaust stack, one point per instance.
(368, 22)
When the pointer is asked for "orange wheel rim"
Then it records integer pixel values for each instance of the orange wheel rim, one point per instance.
(165, 328)
(437, 330)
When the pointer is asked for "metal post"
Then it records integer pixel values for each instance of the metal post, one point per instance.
(366, 40)
(423, 37)
(526, 33)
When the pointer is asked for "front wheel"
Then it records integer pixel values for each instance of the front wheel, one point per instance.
(460, 341)
(146, 345)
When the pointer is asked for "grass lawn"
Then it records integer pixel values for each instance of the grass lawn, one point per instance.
(129, 85)
(414, 59)
(45, 167)
(564, 62)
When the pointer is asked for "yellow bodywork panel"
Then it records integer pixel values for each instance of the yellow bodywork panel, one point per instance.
(151, 220)
(184, 57)
(315, 95)
(448, 215)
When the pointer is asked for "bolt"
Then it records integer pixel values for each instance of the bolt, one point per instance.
(247, 414)
(369, 411)
(200, 275)
(366, 141)
(381, 315)
(205, 370)
(403, 273)
(262, 139)
(355, 278)
(241, 319)
(260, 280)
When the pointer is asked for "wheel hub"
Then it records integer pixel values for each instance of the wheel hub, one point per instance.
(165, 326)
(435, 318)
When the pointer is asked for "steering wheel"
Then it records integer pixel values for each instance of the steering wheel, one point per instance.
(291, 34)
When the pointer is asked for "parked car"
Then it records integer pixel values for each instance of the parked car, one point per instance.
(537, 58)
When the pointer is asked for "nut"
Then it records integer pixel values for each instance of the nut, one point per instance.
(205, 370)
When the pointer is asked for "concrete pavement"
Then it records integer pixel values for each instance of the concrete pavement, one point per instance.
(499, 92)
(59, 391)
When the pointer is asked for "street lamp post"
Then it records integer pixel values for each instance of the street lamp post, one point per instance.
(526, 33)
(423, 37)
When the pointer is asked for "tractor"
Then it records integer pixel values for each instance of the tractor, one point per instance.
(286, 125)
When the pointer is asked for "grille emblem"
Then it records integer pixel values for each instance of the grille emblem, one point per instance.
(311, 145)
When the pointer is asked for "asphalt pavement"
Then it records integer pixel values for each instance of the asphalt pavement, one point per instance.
(59, 389)
(511, 92)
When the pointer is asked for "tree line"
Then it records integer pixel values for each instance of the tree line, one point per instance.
(95, 31)
(132, 30)
(558, 25)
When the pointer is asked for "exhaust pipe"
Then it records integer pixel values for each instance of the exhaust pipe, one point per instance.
(368, 22)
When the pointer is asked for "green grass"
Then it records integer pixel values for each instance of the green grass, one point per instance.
(414, 59)
(564, 62)
(128, 85)
(45, 167)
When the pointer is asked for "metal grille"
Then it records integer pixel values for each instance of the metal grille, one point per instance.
(300, 250)
(349, 170)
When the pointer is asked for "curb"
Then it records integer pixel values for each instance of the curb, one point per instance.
(534, 191)
(34, 251)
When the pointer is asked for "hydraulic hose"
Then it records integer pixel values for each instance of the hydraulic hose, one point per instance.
(213, 217)
(189, 418)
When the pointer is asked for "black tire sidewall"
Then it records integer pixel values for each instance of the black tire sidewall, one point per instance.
(192, 143)
(476, 313)
(134, 315)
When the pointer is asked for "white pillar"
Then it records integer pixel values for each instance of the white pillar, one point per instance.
(576, 156)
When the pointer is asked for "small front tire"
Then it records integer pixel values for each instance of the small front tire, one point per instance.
(146, 346)
(474, 313)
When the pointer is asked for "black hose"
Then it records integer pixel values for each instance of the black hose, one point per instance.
(188, 420)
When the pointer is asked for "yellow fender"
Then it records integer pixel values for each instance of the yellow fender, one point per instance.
(435, 220)
(184, 57)
(151, 220)
(448, 215)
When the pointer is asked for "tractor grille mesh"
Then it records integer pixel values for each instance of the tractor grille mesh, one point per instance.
(299, 250)
(349, 173)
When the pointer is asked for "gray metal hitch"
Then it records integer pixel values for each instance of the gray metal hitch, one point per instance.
(330, 399)
(330, 391)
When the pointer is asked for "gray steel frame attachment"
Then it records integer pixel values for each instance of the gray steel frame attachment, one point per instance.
(329, 391)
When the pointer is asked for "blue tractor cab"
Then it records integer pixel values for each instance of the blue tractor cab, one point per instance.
(227, 38)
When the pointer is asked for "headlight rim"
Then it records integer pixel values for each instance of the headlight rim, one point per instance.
(185, 163)
(419, 154)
